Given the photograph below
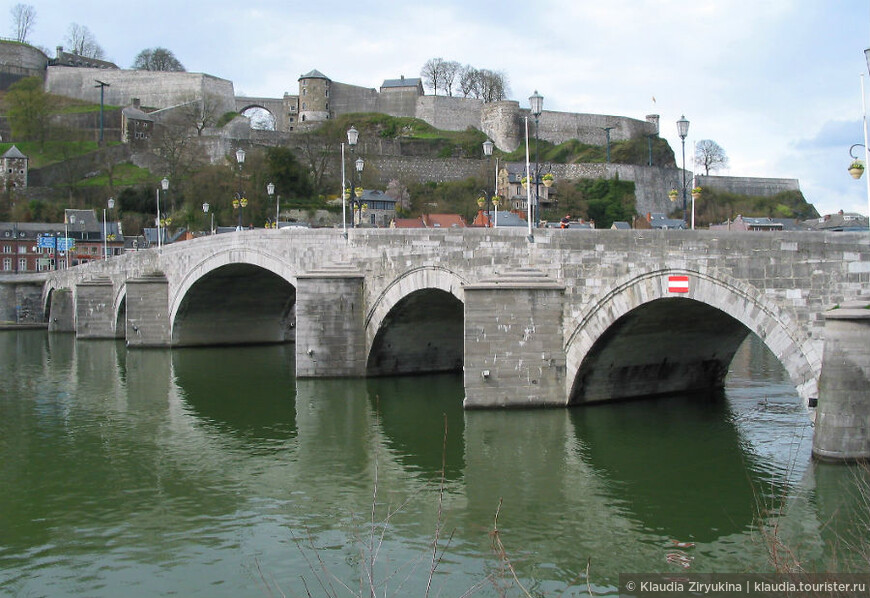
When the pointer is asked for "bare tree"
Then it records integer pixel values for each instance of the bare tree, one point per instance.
(493, 85)
(157, 59)
(81, 41)
(451, 70)
(710, 156)
(23, 19)
(433, 74)
(317, 153)
(200, 114)
(469, 81)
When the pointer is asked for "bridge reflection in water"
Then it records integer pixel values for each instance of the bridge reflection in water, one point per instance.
(189, 469)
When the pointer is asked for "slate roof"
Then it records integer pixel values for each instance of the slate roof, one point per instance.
(314, 74)
(402, 82)
(14, 152)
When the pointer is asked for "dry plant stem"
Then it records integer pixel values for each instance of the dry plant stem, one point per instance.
(588, 584)
(266, 582)
(496, 539)
(438, 522)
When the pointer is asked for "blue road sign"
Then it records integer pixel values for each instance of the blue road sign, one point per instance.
(48, 242)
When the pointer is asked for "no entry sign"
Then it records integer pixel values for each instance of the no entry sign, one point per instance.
(678, 284)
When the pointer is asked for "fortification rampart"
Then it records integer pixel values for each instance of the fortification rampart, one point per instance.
(18, 61)
(154, 89)
(762, 187)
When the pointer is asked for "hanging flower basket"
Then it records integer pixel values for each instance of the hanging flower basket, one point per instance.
(496, 200)
(358, 191)
(856, 169)
(548, 179)
(696, 193)
(481, 201)
(672, 194)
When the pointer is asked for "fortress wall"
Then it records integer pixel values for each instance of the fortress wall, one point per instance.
(450, 114)
(18, 61)
(762, 187)
(154, 89)
(651, 183)
(501, 121)
(344, 99)
(558, 127)
(398, 103)
(22, 56)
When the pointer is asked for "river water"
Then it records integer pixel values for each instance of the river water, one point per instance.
(214, 472)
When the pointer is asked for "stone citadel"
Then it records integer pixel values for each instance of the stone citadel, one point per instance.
(318, 99)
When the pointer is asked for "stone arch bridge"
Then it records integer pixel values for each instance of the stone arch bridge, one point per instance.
(570, 317)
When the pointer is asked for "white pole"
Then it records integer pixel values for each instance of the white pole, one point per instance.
(528, 180)
(343, 199)
(277, 209)
(66, 241)
(495, 224)
(158, 219)
(866, 148)
(105, 247)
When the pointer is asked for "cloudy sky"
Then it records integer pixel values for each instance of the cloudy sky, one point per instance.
(776, 83)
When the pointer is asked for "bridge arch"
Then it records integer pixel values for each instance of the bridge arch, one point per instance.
(728, 310)
(428, 301)
(240, 295)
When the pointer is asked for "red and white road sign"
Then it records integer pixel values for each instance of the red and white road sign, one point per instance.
(678, 284)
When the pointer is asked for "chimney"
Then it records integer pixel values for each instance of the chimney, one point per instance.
(136, 103)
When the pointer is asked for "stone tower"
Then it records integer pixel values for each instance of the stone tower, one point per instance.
(14, 165)
(314, 89)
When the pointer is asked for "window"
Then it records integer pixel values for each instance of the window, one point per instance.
(7, 249)
(22, 264)
(22, 248)
(7, 264)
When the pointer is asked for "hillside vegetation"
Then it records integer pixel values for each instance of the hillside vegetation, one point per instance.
(302, 177)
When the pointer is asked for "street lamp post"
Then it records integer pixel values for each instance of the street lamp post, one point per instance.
(165, 185)
(111, 204)
(351, 192)
(488, 146)
(270, 189)
(240, 201)
(607, 131)
(536, 103)
(205, 208)
(356, 194)
(866, 141)
(683, 131)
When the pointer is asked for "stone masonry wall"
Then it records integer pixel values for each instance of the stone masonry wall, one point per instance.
(154, 89)
(755, 186)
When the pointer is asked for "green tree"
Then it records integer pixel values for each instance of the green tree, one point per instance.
(288, 175)
(28, 110)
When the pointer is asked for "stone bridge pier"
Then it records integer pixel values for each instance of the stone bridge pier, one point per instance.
(572, 318)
